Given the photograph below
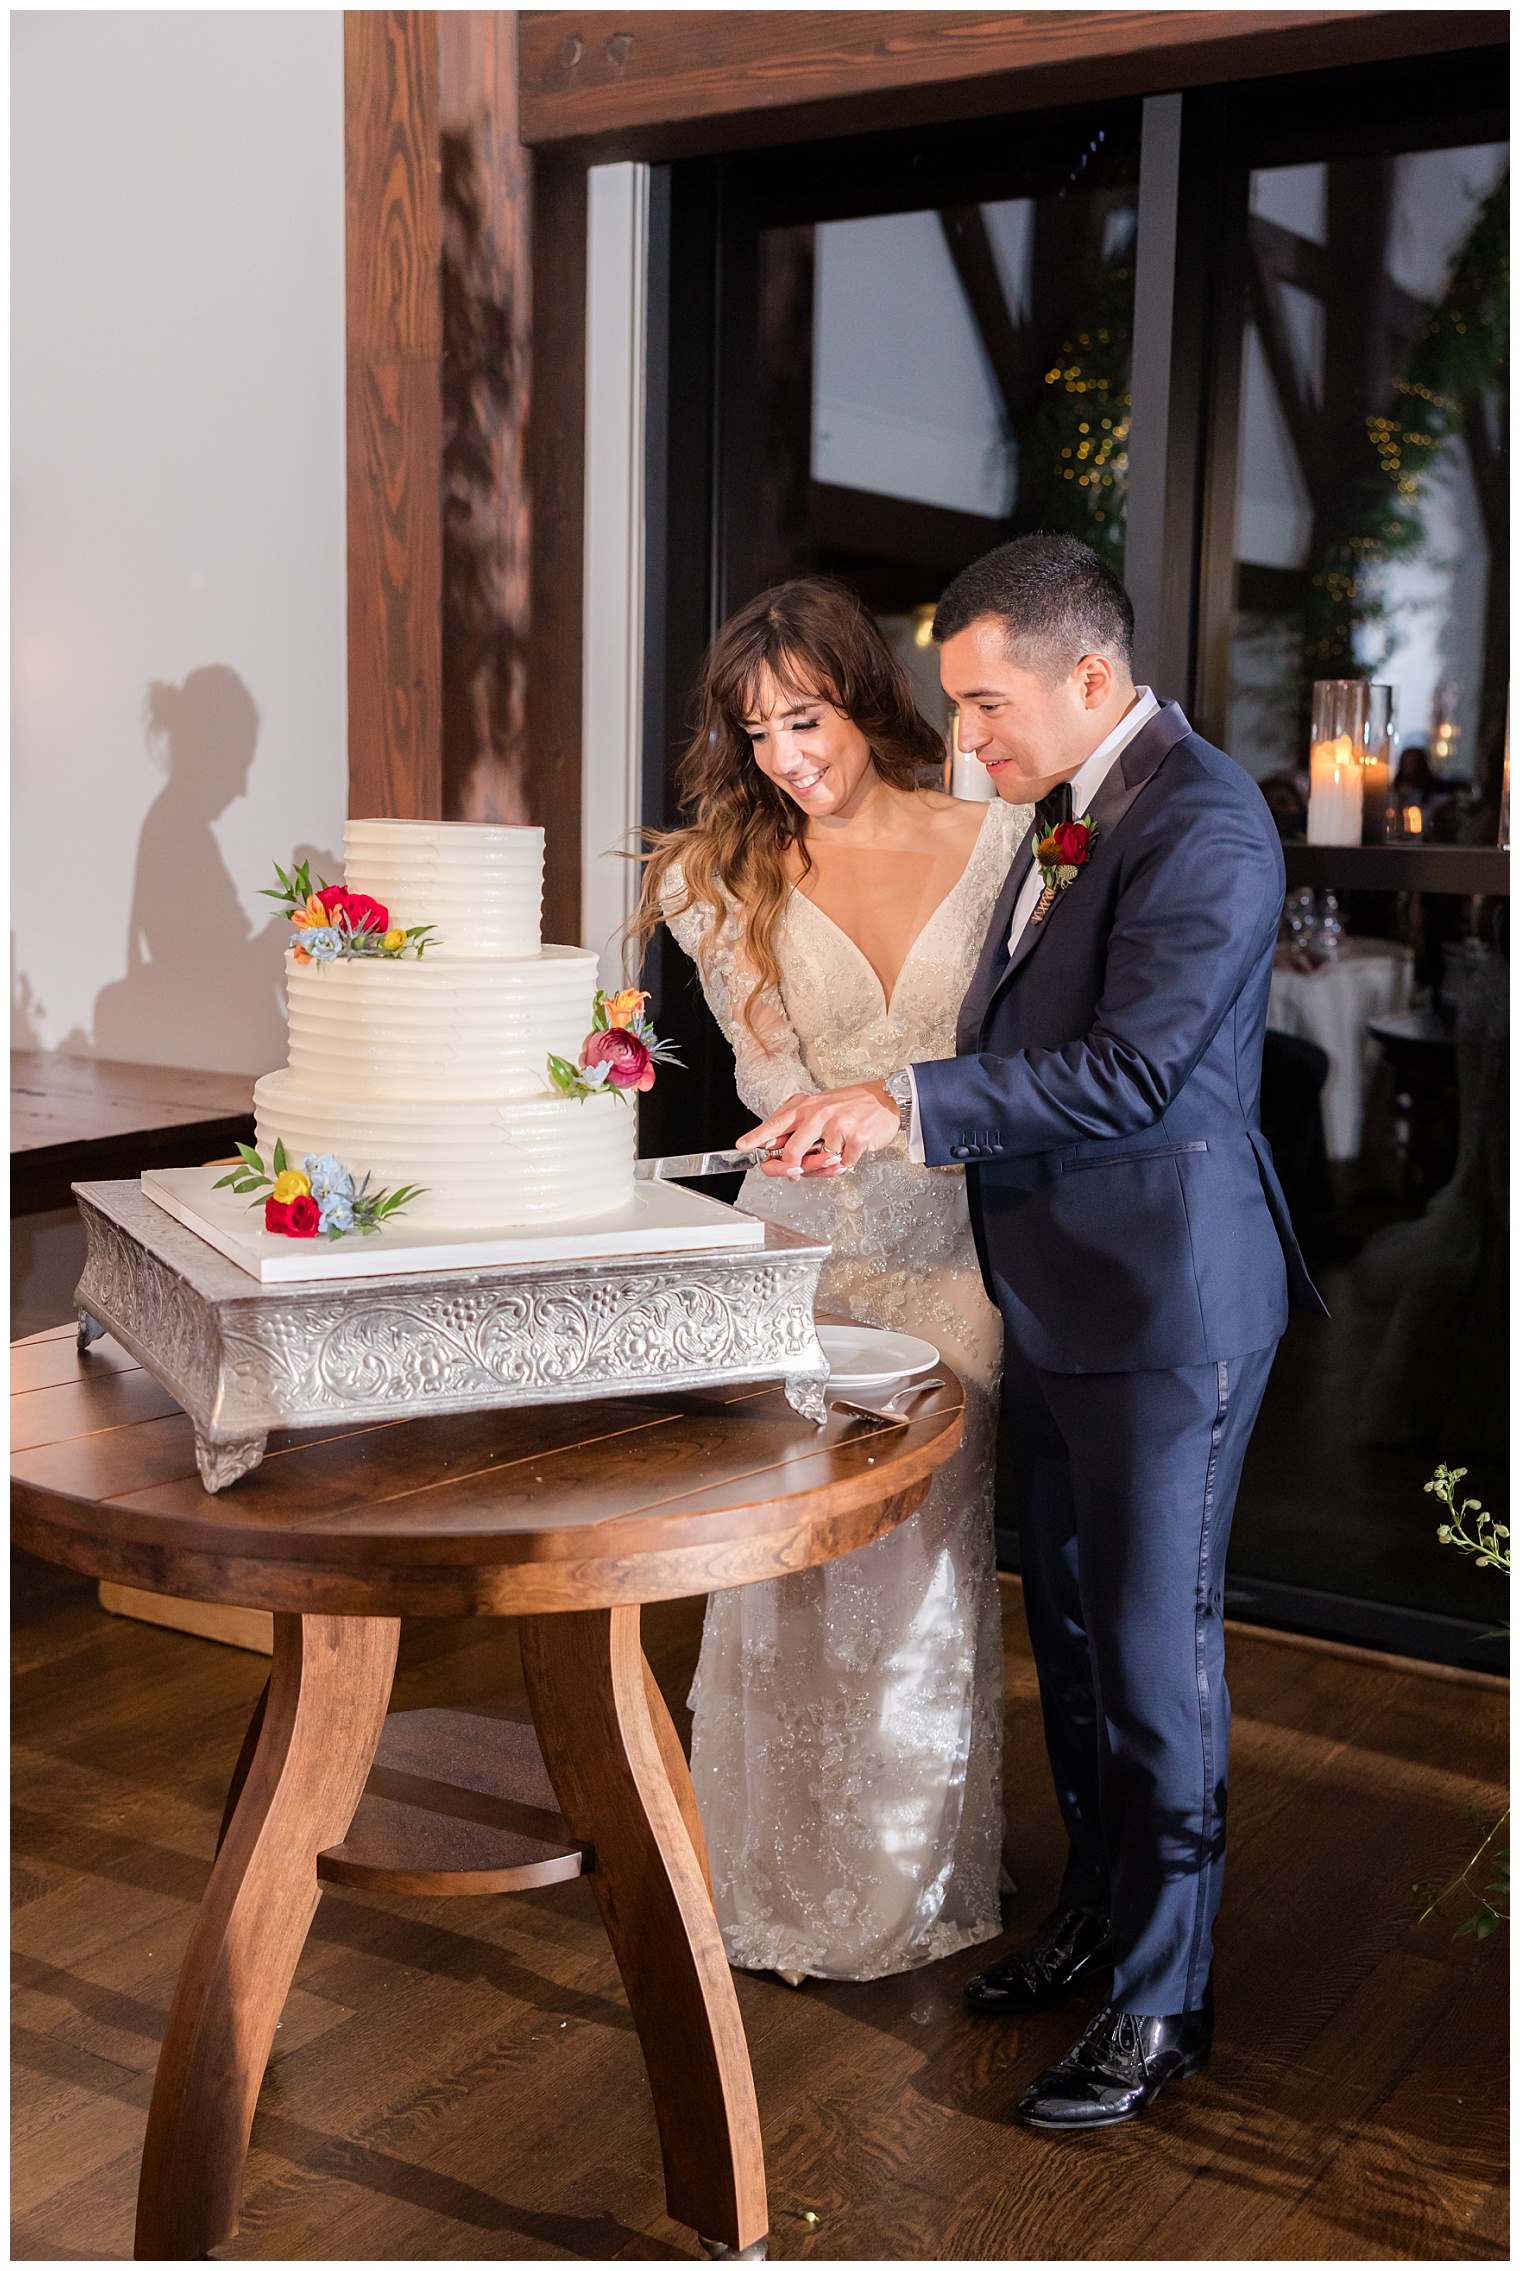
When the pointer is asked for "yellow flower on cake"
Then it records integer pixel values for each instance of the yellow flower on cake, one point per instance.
(623, 1008)
(291, 1185)
(393, 941)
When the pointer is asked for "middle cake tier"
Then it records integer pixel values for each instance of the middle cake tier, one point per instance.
(438, 1028)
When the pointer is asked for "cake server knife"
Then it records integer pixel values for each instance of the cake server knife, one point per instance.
(684, 1163)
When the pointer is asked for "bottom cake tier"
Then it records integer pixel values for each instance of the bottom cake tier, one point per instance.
(482, 1166)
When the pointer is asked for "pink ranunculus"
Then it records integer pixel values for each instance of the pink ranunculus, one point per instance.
(628, 1062)
(356, 908)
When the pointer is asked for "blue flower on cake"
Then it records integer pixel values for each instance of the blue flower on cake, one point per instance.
(328, 1177)
(327, 1186)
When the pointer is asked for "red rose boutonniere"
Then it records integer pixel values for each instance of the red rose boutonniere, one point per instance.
(1060, 857)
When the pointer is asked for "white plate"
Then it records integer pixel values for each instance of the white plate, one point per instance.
(862, 1356)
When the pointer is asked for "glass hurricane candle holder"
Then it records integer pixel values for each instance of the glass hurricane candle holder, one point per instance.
(1351, 763)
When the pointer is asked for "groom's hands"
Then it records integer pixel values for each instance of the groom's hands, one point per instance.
(827, 1133)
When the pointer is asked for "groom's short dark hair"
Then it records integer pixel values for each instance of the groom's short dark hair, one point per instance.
(1054, 597)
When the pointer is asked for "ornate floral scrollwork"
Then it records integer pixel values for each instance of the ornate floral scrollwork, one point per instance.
(224, 1463)
(243, 1359)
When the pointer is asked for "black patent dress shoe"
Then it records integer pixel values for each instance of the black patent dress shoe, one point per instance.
(1068, 1948)
(1121, 2063)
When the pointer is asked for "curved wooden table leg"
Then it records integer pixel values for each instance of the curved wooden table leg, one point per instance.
(617, 1786)
(328, 1691)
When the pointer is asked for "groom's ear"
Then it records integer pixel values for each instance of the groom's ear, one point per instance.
(1095, 678)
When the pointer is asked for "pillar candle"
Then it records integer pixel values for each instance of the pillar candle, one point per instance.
(1377, 789)
(1335, 792)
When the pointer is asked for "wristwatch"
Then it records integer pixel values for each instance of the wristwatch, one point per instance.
(899, 1086)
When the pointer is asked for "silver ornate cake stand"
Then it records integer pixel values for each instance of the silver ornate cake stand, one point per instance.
(243, 1358)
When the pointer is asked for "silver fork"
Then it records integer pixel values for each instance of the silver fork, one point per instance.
(885, 1411)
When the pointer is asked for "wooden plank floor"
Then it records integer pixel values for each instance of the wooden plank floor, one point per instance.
(459, 2079)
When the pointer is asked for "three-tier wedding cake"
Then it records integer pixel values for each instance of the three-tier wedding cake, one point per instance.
(431, 1069)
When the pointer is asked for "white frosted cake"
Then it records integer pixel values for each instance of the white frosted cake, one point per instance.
(433, 1070)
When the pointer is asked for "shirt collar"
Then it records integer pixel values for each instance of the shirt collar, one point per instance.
(1090, 776)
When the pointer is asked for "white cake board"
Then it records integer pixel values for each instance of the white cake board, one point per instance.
(661, 1218)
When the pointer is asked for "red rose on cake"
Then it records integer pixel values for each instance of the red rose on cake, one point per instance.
(628, 1062)
(303, 1217)
(354, 908)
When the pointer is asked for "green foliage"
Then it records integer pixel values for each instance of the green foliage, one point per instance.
(296, 888)
(1487, 1539)
(1457, 371)
(1493, 1901)
(253, 1175)
(370, 1208)
(570, 1080)
(1073, 459)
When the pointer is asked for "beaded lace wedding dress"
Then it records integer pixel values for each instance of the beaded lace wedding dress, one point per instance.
(846, 1747)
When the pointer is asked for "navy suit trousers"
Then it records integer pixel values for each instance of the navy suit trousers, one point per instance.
(1126, 1486)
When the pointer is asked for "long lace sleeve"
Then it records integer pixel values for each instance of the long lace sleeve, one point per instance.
(768, 1065)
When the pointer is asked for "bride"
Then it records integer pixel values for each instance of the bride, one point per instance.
(846, 1743)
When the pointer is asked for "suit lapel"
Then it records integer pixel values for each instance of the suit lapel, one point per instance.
(994, 958)
(1137, 764)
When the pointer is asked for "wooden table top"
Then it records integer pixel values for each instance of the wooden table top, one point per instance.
(523, 1511)
(78, 1117)
(57, 1099)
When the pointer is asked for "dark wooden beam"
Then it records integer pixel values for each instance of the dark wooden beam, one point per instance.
(1007, 345)
(665, 83)
(460, 516)
(394, 346)
(556, 457)
(486, 393)
(931, 538)
(1463, 870)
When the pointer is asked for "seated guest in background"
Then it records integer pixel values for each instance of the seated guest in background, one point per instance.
(1288, 805)
(1415, 789)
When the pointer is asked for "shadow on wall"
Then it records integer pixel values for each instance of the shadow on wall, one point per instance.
(202, 985)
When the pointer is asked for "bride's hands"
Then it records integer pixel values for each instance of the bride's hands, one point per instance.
(837, 1127)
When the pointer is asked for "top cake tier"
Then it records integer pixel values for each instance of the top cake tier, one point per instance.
(481, 886)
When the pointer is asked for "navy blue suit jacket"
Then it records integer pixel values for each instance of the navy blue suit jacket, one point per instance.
(1105, 1091)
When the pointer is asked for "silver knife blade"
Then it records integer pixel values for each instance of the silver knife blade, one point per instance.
(683, 1163)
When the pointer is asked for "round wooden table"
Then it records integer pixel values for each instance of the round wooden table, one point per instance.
(567, 1516)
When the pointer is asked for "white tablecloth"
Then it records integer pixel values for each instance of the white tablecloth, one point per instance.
(1332, 1005)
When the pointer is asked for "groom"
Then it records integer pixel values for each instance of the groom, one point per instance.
(1104, 1098)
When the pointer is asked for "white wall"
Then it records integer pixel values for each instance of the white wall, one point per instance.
(612, 679)
(178, 445)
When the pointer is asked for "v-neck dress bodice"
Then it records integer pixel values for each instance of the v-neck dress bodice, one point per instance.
(846, 1741)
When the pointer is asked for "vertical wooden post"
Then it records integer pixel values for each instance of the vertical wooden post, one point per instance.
(395, 338)
(556, 472)
(487, 333)
(464, 512)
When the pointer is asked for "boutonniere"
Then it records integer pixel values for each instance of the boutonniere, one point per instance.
(1060, 857)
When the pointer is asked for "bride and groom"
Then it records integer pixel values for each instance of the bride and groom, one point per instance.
(1008, 1059)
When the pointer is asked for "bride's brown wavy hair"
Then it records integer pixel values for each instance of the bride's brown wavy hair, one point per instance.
(817, 641)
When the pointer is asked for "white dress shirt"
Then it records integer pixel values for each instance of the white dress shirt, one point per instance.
(1085, 784)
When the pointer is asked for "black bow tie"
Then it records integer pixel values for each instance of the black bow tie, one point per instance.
(1052, 810)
